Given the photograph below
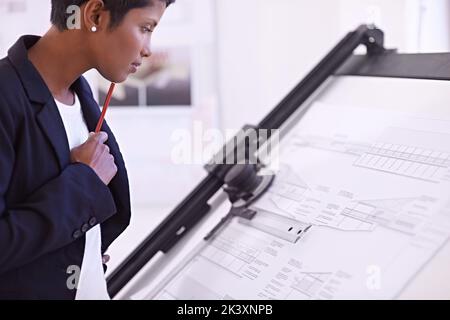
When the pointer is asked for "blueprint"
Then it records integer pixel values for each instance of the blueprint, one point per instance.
(374, 185)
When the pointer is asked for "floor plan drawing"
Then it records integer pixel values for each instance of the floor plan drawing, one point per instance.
(373, 185)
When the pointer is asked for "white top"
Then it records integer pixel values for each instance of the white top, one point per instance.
(92, 283)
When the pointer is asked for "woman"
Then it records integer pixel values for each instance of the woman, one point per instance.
(64, 194)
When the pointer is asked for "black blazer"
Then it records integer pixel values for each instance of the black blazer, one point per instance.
(46, 203)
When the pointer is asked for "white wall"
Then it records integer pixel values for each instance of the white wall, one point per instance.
(12, 25)
(434, 34)
(266, 47)
(410, 25)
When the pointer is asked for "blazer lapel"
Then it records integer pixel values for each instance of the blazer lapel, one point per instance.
(90, 108)
(51, 124)
(47, 113)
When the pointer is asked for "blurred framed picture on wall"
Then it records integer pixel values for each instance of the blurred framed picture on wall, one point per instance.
(164, 79)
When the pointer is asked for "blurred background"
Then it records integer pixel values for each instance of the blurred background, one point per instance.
(220, 64)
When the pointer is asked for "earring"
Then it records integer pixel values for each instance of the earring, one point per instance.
(94, 29)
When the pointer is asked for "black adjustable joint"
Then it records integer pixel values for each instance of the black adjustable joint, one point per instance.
(241, 181)
(373, 40)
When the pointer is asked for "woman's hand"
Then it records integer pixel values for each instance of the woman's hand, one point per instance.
(95, 154)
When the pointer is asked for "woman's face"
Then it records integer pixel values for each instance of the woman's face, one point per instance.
(120, 51)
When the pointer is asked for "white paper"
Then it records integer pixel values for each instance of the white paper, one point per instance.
(375, 186)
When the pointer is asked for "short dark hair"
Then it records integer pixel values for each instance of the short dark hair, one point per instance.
(117, 8)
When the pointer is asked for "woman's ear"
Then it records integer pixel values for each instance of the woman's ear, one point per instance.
(95, 15)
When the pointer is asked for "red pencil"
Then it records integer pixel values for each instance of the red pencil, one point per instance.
(105, 107)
